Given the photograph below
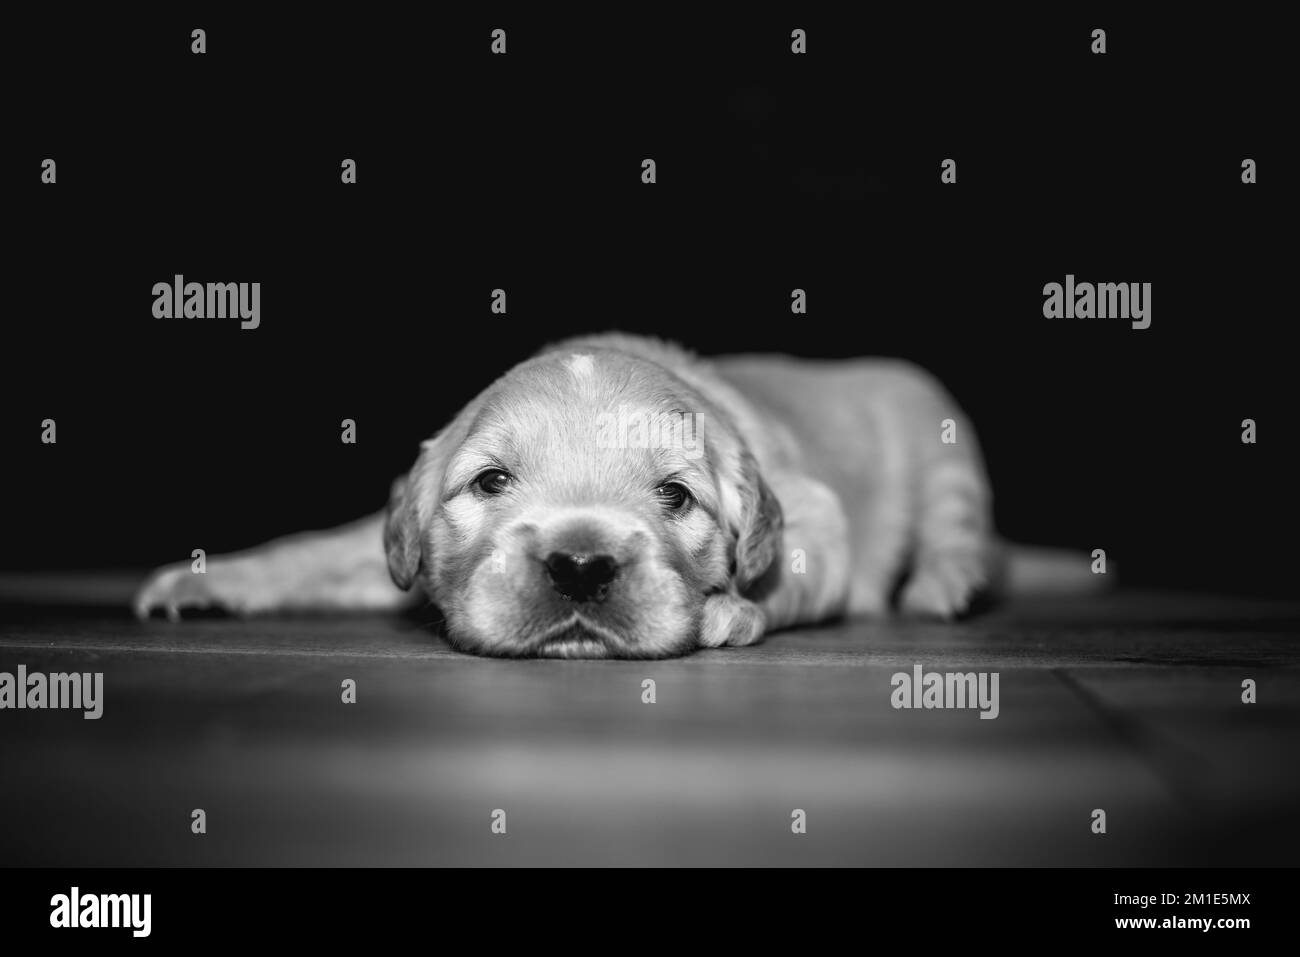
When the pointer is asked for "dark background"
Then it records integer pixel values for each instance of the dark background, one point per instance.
(523, 172)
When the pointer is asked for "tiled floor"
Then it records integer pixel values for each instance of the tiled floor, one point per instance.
(1131, 704)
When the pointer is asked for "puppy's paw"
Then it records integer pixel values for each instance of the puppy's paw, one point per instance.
(231, 586)
(943, 586)
(730, 620)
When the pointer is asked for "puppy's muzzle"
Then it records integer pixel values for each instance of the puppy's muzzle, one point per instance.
(580, 576)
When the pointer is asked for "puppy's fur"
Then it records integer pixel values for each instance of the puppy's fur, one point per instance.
(819, 489)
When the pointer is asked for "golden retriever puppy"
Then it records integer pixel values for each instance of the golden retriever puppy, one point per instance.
(616, 496)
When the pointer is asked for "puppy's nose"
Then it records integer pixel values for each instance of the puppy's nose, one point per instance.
(581, 577)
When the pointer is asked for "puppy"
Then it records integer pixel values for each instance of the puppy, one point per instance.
(616, 496)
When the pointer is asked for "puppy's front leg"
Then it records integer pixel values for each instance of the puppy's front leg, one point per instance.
(809, 579)
(811, 583)
(343, 569)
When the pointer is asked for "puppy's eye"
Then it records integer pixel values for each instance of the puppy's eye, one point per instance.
(673, 496)
(492, 482)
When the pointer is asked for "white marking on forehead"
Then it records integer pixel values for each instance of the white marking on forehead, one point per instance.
(581, 366)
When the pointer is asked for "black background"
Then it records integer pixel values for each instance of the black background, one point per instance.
(523, 172)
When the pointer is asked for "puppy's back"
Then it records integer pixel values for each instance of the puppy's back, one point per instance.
(852, 414)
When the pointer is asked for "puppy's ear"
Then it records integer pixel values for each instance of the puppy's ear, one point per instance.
(756, 520)
(402, 535)
(410, 506)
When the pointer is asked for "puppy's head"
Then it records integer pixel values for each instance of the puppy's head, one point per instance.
(584, 505)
